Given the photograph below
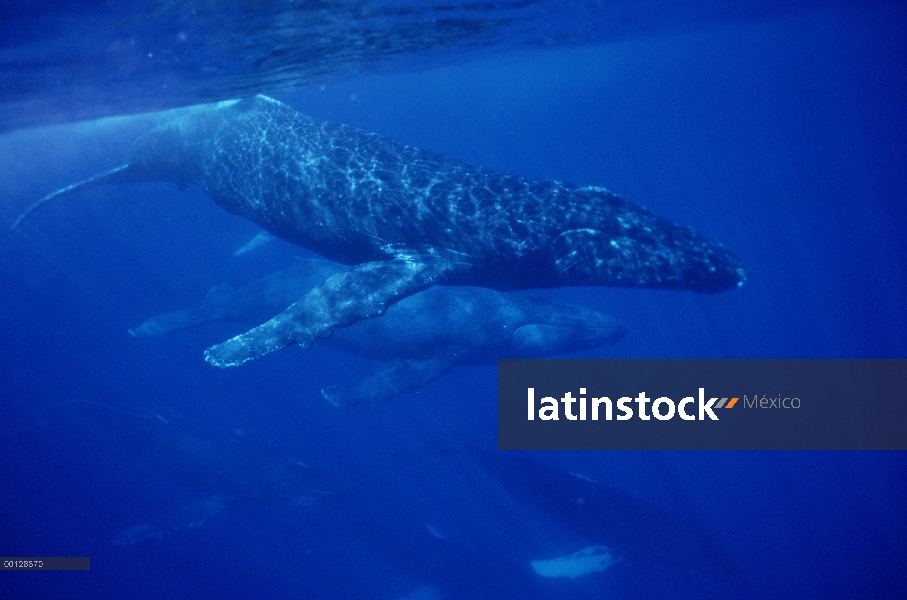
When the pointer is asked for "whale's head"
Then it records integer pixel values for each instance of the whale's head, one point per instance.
(559, 329)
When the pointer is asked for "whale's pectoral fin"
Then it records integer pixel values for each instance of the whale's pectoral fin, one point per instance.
(394, 378)
(364, 291)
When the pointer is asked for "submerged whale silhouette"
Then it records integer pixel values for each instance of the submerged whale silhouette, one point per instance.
(600, 513)
(422, 337)
(404, 218)
(218, 467)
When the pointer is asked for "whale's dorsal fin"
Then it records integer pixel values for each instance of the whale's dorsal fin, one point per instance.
(260, 239)
(119, 174)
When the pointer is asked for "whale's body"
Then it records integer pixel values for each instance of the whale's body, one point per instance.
(355, 197)
(406, 219)
(421, 337)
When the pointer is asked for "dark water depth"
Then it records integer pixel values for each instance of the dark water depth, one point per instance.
(782, 136)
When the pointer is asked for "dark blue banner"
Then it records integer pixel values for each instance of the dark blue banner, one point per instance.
(702, 404)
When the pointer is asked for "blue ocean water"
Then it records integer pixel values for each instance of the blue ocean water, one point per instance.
(781, 134)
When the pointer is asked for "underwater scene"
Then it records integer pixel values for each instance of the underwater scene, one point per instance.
(259, 260)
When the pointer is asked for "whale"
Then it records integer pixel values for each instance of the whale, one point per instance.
(255, 302)
(404, 219)
(419, 338)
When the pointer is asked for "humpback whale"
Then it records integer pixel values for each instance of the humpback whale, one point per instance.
(256, 302)
(421, 337)
(403, 218)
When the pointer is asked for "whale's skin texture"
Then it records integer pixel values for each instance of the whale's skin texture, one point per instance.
(425, 335)
(420, 337)
(404, 218)
(356, 197)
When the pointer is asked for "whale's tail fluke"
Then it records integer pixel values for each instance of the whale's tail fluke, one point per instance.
(121, 174)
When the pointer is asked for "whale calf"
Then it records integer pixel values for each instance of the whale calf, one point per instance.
(420, 337)
(404, 218)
